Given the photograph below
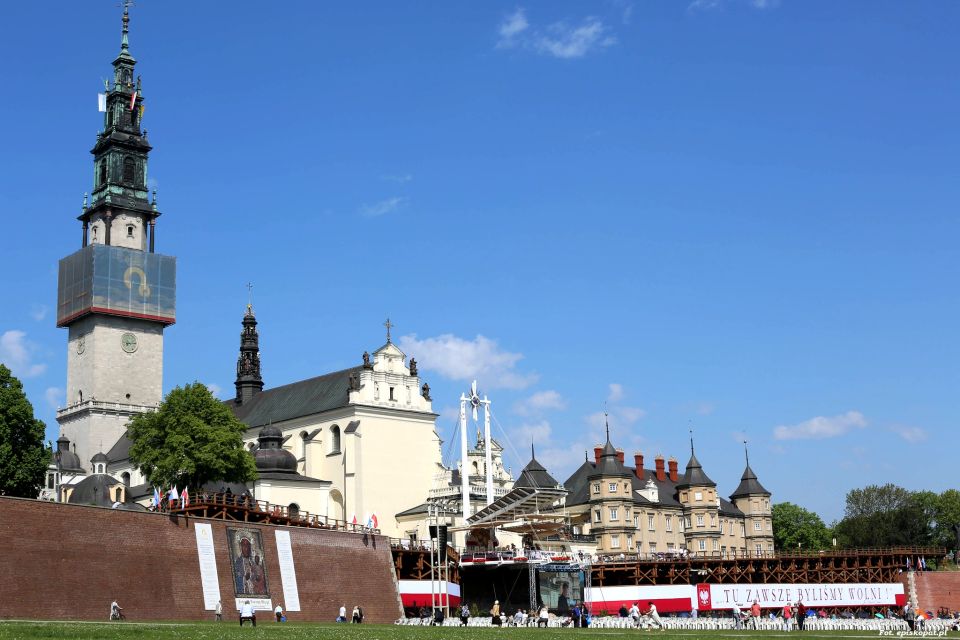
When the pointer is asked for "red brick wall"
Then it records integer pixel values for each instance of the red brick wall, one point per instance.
(60, 561)
(937, 589)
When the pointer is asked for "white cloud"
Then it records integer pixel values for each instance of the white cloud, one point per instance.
(18, 354)
(54, 397)
(616, 392)
(560, 39)
(706, 5)
(214, 389)
(619, 417)
(539, 402)
(383, 207)
(537, 433)
(39, 312)
(511, 27)
(912, 435)
(479, 359)
(564, 41)
(821, 427)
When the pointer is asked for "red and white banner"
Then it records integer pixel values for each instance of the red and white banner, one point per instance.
(724, 596)
(416, 593)
(668, 598)
(676, 598)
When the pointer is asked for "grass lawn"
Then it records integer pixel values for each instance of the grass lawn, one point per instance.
(305, 631)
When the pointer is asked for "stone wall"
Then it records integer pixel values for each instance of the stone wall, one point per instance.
(69, 562)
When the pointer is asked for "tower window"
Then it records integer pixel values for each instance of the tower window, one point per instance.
(126, 479)
(334, 439)
(129, 230)
(103, 172)
(128, 170)
(391, 394)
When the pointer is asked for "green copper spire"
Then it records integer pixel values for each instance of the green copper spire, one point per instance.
(124, 55)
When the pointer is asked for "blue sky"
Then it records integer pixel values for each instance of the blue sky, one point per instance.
(735, 215)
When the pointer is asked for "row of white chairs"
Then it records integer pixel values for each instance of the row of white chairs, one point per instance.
(704, 624)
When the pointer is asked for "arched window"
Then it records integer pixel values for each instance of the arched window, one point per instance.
(125, 476)
(103, 172)
(334, 439)
(303, 444)
(128, 170)
(293, 510)
(119, 494)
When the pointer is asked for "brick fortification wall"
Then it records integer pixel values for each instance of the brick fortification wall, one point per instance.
(937, 589)
(64, 561)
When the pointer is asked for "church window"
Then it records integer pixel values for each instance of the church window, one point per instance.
(80, 395)
(613, 487)
(128, 170)
(334, 439)
(126, 478)
(615, 541)
(614, 514)
(103, 172)
(699, 519)
(391, 394)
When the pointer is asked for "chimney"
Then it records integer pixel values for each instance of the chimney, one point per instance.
(597, 450)
(661, 474)
(673, 469)
(620, 455)
(638, 462)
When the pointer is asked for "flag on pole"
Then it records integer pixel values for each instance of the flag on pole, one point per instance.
(156, 496)
(354, 518)
(174, 494)
(185, 498)
(133, 100)
(373, 520)
(102, 102)
(369, 524)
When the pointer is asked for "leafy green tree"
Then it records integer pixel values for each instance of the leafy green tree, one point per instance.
(888, 515)
(948, 519)
(191, 439)
(23, 458)
(795, 526)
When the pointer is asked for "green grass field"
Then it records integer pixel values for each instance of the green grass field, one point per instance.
(304, 631)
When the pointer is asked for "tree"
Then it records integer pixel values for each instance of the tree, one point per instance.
(23, 458)
(191, 439)
(888, 515)
(795, 526)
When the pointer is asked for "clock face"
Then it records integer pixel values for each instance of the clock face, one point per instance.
(129, 342)
(81, 345)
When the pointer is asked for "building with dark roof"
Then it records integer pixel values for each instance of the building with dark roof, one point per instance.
(660, 511)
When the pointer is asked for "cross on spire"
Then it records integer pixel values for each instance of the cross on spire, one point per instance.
(388, 325)
(691, 441)
(250, 297)
(746, 452)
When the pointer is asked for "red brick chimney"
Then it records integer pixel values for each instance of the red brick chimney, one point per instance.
(673, 469)
(638, 463)
(620, 455)
(597, 451)
(661, 473)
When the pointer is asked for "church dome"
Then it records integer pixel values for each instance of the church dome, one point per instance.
(270, 456)
(69, 461)
(97, 490)
(100, 457)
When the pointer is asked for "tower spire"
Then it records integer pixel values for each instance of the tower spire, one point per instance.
(746, 452)
(124, 41)
(249, 381)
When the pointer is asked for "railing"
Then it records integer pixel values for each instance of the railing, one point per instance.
(119, 407)
(475, 489)
(260, 510)
(682, 554)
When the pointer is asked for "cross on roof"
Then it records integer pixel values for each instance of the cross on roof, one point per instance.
(388, 325)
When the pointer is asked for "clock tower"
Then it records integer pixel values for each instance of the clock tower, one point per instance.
(116, 294)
